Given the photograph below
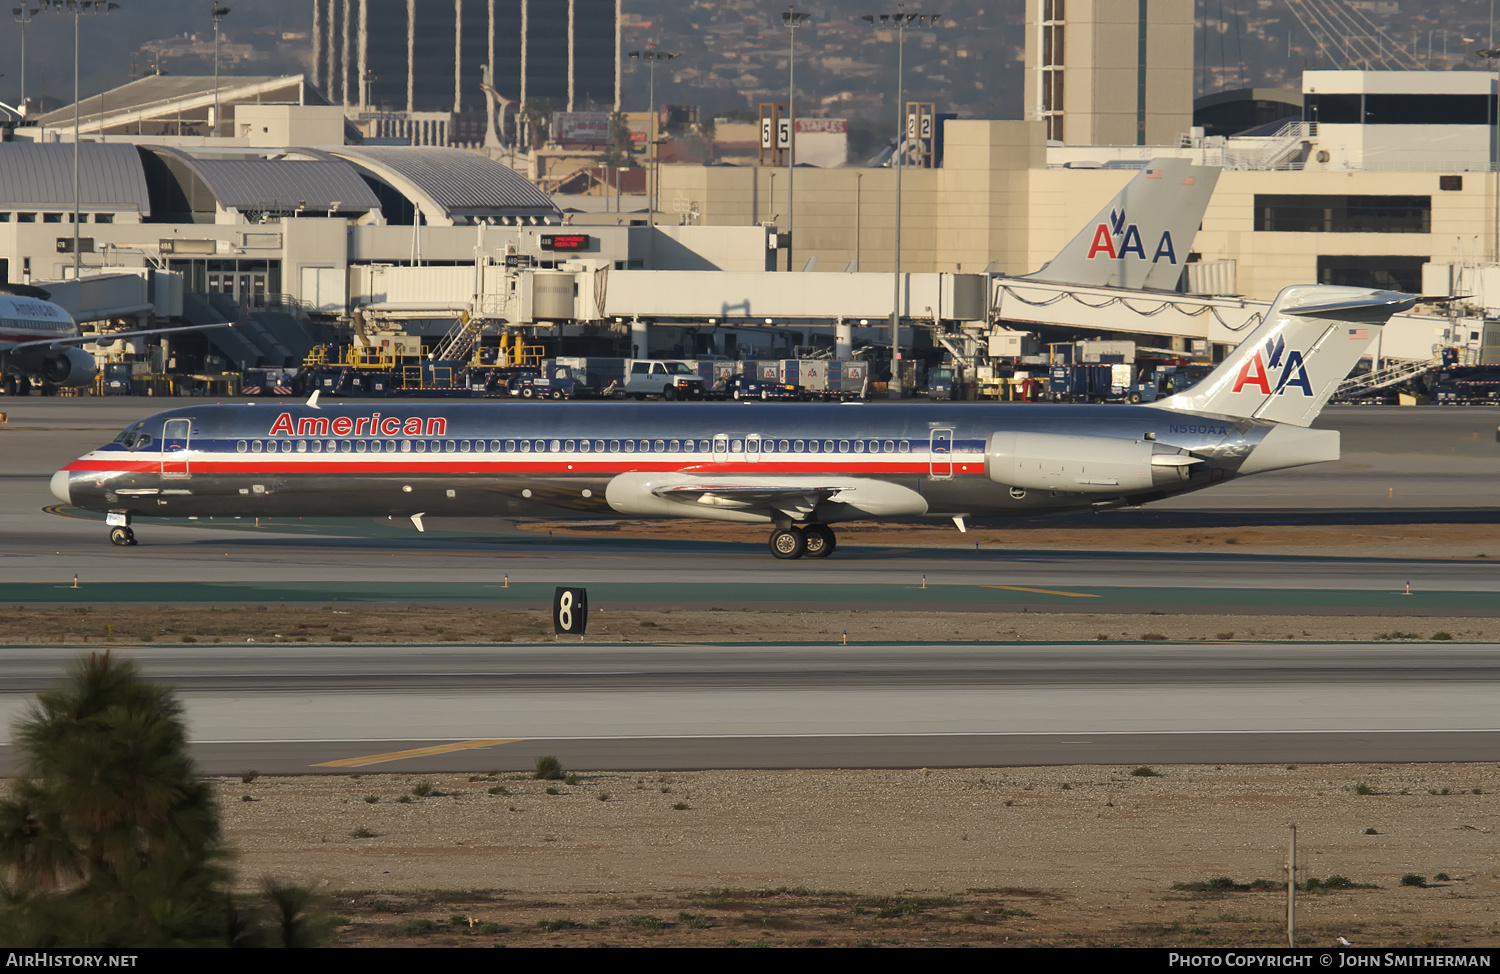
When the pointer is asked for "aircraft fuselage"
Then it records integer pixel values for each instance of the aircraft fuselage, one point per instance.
(561, 461)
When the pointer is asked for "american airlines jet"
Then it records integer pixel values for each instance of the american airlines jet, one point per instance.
(797, 468)
(38, 339)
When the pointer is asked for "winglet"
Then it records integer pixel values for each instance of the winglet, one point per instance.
(415, 518)
(312, 400)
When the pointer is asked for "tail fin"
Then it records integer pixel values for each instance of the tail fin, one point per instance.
(1142, 237)
(1285, 372)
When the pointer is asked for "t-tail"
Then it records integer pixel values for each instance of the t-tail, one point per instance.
(1140, 240)
(1289, 367)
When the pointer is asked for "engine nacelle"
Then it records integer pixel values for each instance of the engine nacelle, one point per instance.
(1084, 464)
(66, 367)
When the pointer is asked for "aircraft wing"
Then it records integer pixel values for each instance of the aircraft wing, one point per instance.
(794, 500)
(107, 338)
(755, 497)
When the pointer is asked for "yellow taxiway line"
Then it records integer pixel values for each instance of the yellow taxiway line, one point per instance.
(417, 752)
(1043, 591)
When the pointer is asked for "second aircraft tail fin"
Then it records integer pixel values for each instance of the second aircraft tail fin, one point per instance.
(1141, 238)
(1290, 366)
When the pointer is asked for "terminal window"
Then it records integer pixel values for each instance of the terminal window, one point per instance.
(1399, 109)
(1396, 273)
(1343, 214)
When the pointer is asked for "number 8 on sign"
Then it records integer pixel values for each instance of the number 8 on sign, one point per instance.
(570, 611)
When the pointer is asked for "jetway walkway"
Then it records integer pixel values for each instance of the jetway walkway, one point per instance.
(1031, 303)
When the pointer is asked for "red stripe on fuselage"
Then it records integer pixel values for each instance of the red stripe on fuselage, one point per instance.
(198, 466)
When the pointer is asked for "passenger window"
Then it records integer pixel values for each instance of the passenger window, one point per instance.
(661, 446)
(256, 446)
(242, 446)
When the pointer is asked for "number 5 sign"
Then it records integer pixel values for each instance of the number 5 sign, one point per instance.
(570, 611)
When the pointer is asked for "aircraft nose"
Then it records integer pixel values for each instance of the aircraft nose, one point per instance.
(60, 487)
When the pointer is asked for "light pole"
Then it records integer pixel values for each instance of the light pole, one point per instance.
(651, 55)
(219, 13)
(23, 16)
(792, 19)
(900, 22)
(77, 8)
(1492, 55)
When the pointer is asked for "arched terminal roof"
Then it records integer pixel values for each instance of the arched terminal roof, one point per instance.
(40, 177)
(451, 186)
(272, 186)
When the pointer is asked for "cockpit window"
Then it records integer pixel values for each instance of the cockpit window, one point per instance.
(131, 438)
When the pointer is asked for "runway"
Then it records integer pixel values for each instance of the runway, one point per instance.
(1399, 465)
(800, 706)
(306, 709)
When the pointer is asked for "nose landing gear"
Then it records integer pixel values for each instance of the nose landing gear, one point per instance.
(120, 534)
(814, 541)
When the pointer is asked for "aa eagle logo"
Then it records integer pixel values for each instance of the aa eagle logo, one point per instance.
(1286, 366)
(1130, 241)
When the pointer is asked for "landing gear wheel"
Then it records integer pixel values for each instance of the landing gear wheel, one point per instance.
(121, 537)
(819, 541)
(787, 543)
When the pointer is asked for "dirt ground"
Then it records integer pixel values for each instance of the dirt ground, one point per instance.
(1187, 856)
(1390, 855)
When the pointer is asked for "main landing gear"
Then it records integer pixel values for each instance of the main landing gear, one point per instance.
(813, 540)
